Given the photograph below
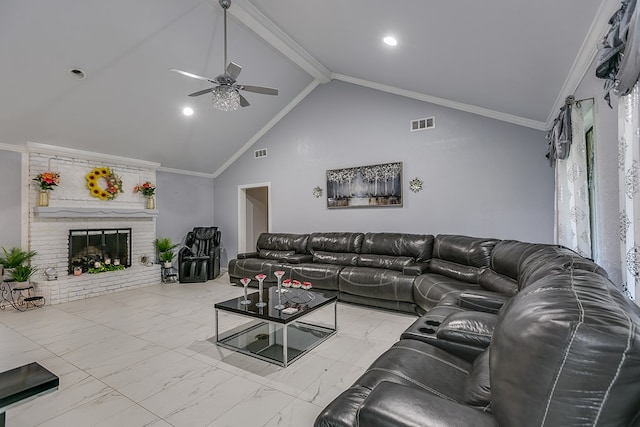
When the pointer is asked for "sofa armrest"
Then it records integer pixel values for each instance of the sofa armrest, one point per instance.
(298, 258)
(488, 302)
(472, 328)
(392, 404)
(248, 255)
(416, 269)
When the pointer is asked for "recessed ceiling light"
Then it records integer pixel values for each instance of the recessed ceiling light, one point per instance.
(77, 73)
(187, 111)
(390, 40)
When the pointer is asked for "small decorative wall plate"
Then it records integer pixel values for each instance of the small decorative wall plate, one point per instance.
(317, 192)
(415, 185)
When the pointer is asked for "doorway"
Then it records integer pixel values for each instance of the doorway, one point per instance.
(254, 214)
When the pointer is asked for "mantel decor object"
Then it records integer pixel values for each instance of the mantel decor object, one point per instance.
(46, 181)
(43, 198)
(148, 190)
(101, 175)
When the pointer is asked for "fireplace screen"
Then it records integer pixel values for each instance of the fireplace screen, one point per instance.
(106, 246)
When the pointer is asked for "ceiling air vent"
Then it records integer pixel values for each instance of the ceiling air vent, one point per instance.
(422, 124)
(258, 154)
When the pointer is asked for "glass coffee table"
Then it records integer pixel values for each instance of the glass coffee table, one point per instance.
(274, 336)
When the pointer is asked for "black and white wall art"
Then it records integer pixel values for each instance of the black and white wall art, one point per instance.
(365, 186)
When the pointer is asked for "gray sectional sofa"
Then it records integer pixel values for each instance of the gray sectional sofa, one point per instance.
(508, 333)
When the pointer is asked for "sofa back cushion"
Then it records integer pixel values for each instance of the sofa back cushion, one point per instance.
(335, 242)
(508, 255)
(388, 262)
(283, 242)
(553, 258)
(466, 250)
(566, 352)
(416, 246)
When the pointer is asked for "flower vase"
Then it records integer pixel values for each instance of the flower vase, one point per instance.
(245, 282)
(43, 198)
(279, 275)
(260, 302)
(150, 203)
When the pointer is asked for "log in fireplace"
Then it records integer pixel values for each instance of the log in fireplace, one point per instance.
(104, 245)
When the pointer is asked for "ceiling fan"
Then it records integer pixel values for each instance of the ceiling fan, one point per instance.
(226, 95)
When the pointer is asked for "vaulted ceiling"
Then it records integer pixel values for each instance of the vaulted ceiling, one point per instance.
(514, 60)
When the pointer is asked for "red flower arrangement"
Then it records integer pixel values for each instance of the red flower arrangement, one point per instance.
(146, 188)
(47, 180)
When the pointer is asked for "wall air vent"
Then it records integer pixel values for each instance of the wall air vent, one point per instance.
(422, 124)
(258, 154)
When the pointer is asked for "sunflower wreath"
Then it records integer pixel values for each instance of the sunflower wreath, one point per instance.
(114, 183)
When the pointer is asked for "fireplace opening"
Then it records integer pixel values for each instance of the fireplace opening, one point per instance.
(105, 246)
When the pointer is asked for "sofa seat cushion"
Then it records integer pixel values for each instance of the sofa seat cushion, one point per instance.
(249, 267)
(429, 288)
(465, 250)
(416, 246)
(376, 283)
(454, 270)
(411, 363)
(273, 254)
(388, 262)
(337, 258)
(400, 306)
(321, 276)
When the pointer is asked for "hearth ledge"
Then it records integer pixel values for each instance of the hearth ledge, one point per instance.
(74, 212)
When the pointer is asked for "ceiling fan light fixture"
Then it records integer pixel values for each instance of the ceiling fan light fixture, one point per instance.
(390, 41)
(225, 98)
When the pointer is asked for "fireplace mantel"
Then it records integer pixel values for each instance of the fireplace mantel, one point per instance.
(76, 212)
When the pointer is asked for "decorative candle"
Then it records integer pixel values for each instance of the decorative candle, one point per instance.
(77, 271)
(107, 261)
(96, 264)
(116, 261)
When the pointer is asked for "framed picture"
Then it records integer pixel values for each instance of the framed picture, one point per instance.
(365, 186)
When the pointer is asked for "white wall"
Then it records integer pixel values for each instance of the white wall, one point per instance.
(607, 242)
(10, 194)
(481, 176)
(183, 202)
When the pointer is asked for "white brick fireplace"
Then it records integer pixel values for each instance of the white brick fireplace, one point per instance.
(72, 207)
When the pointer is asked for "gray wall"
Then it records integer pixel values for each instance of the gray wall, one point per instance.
(183, 202)
(481, 176)
(606, 228)
(10, 206)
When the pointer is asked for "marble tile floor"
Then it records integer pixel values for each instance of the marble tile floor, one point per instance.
(143, 358)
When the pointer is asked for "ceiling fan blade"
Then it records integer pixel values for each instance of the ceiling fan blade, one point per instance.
(233, 70)
(243, 101)
(201, 92)
(259, 89)
(194, 76)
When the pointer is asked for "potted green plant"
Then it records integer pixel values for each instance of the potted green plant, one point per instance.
(22, 273)
(165, 248)
(15, 257)
(167, 258)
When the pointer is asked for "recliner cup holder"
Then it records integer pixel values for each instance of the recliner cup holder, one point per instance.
(427, 330)
(432, 322)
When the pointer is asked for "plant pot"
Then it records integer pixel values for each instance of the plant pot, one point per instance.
(150, 202)
(43, 198)
(167, 264)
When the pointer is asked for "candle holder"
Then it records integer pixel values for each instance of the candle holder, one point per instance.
(260, 277)
(245, 282)
(279, 275)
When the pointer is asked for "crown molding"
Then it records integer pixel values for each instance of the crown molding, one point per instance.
(185, 172)
(260, 24)
(13, 147)
(510, 118)
(35, 147)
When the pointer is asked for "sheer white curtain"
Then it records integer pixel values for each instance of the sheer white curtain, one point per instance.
(629, 184)
(572, 217)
